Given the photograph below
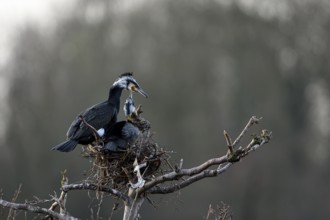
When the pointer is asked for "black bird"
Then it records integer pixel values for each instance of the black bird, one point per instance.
(123, 133)
(100, 116)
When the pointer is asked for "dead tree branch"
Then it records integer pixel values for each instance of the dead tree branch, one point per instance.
(94, 187)
(35, 209)
(11, 214)
(200, 172)
(61, 201)
(253, 120)
(174, 175)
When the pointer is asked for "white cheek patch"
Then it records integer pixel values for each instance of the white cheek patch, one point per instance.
(131, 87)
(100, 132)
(121, 82)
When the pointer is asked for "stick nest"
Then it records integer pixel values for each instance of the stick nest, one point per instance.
(115, 169)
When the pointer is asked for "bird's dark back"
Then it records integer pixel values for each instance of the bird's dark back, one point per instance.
(102, 115)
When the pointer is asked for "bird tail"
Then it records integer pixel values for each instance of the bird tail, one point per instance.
(66, 146)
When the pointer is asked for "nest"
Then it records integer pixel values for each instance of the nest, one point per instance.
(115, 169)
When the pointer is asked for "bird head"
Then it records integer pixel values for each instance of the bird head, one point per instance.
(127, 81)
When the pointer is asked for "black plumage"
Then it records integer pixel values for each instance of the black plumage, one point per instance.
(102, 115)
(123, 133)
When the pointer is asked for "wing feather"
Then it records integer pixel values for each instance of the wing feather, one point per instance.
(102, 115)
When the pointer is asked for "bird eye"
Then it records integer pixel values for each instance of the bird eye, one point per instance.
(131, 87)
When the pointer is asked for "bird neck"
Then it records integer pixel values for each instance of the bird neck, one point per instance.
(114, 95)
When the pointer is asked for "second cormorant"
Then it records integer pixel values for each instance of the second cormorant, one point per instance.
(100, 116)
(123, 133)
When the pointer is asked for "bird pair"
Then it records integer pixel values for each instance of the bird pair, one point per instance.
(102, 117)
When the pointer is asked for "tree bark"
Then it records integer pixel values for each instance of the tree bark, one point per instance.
(131, 211)
(133, 205)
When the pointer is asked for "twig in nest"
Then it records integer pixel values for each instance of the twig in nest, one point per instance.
(137, 170)
(98, 138)
(116, 168)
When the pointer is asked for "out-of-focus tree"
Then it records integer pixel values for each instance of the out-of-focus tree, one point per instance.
(207, 66)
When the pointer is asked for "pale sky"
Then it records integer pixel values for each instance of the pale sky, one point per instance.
(13, 15)
(16, 13)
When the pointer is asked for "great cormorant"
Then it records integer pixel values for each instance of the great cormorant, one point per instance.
(100, 116)
(122, 133)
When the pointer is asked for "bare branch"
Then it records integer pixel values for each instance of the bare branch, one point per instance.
(91, 186)
(137, 171)
(200, 172)
(183, 172)
(175, 187)
(11, 214)
(35, 209)
(229, 142)
(252, 146)
(99, 206)
(114, 208)
(61, 201)
(253, 120)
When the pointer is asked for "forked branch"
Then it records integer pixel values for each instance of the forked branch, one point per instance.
(35, 209)
(94, 187)
(202, 171)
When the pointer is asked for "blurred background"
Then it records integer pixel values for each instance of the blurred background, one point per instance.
(207, 66)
